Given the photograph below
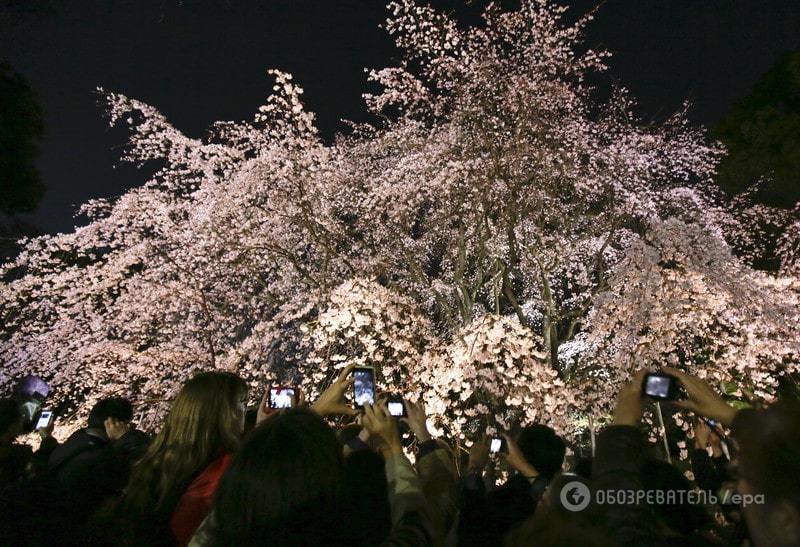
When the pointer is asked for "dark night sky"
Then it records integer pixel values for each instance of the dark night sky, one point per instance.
(202, 61)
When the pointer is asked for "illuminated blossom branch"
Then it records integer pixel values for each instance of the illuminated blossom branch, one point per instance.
(496, 202)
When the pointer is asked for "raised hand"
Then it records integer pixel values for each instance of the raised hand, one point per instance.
(417, 420)
(701, 434)
(703, 400)
(517, 460)
(629, 402)
(264, 410)
(332, 400)
(45, 432)
(380, 424)
(705, 436)
(479, 454)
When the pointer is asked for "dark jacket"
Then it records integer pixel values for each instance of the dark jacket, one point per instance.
(14, 462)
(88, 465)
(438, 479)
(486, 517)
(78, 445)
(25, 494)
(709, 473)
(84, 473)
(617, 466)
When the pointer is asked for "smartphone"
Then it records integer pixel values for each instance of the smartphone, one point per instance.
(397, 407)
(498, 445)
(659, 385)
(45, 419)
(363, 386)
(281, 397)
(715, 428)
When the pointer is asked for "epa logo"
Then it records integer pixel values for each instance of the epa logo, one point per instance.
(575, 496)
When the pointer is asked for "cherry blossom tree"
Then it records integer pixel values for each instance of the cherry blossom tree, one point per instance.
(525, 189)
(369, 325)
(788, 248)
(501, 240)
(494, 374)
(680, 297)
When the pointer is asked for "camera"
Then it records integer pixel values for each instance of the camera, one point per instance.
(662, 386)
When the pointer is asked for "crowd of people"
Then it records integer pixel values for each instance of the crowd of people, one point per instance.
(212, 477)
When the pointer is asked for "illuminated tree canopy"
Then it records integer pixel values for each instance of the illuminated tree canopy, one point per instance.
(499, 239)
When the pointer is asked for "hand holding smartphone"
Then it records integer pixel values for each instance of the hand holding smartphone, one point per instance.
(282, 397)
(396, 406)
(45, 419)
(715, 428)
(498, 445)
(363, 386)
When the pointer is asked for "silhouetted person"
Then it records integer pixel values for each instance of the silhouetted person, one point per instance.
(14, 458)
(92, 466)
(537, 455)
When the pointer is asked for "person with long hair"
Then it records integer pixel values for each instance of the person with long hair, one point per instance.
(285, 485)
(174, 482)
